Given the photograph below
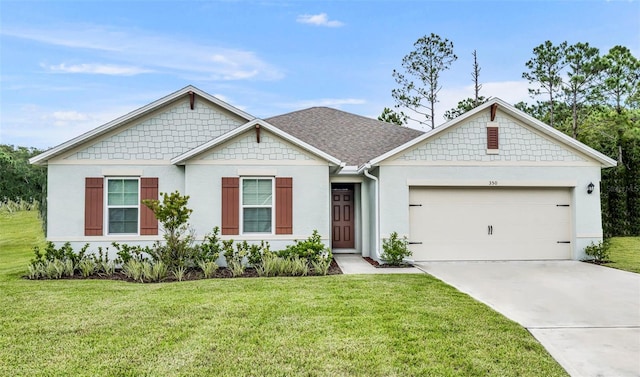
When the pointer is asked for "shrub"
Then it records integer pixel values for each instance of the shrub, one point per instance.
(64, 253)
(127, 253)
(173, 214)
(311, 249)
(210, 249)
(395, 249)
(599, 252)
(235, 254)
(255, 253)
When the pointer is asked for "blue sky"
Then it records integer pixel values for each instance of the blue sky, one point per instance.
(69, 66)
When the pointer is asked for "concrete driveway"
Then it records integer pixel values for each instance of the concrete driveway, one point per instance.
(586, 316)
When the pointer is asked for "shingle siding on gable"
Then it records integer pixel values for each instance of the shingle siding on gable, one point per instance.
(270, 148)
(468, 142)
(163, 136)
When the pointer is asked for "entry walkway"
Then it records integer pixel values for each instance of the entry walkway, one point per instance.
(354, 264)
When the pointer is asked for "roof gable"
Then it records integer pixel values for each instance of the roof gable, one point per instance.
(352, 138)
(206, 112)
(236, 145)
(525, 140)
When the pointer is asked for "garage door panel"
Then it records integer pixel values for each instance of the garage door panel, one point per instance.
(489, 224)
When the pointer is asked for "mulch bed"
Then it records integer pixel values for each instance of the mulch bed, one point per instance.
(378, 265)
(194, 274)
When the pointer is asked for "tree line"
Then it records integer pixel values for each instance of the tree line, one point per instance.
(592, 97)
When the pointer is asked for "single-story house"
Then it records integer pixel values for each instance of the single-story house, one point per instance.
(492, 184)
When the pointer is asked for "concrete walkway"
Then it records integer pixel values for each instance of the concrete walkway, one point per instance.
(354, 264)
(586, 316)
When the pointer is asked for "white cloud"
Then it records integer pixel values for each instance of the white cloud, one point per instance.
(318, 19)
(136, 51)
(101, 69)
(327, 102)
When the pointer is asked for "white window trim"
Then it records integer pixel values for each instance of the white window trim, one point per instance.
(107, 206)
(272, 206)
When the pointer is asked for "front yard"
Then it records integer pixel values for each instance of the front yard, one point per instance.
(341, 325)
(625, 254)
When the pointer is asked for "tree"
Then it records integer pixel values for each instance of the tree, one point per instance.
(476, 82)
(469, 103)
(391, 116)
(584, 67)
(464, 106)
(621, 77)
(545, 69)
(432, 56)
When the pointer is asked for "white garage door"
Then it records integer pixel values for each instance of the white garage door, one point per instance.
(490, 223)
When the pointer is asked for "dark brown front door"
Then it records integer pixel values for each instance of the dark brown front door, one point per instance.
(342, 217)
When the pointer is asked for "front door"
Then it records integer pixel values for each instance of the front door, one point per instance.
(342, 212)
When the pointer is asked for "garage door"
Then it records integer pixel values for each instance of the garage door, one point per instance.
(489, 223)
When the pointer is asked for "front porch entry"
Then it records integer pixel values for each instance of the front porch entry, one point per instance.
(343, 216)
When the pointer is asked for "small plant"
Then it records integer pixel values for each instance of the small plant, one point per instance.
(133, 270)
(236, 267)
(179, 273)
(208, 268)
(37, 271)
(321, 267)
(107, 268)
(299, 266)
(87, 267)
(599, 252)
(395, 249)
(157, 272)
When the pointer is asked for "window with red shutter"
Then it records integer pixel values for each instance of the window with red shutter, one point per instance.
(230, 205)
(93, 206)
(148, 221)
(284, 205)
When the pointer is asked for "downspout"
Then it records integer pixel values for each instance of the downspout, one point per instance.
(376, 211)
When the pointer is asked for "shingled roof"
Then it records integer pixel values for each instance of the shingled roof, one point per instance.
(352, 138)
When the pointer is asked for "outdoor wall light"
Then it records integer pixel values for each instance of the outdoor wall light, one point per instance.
(590, 188)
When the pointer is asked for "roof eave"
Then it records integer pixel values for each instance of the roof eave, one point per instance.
(42, 158)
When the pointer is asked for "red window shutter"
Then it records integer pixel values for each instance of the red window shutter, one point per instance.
(492, 138)
(148, 221)
(93, 206)
(284, 205)
(230, 205)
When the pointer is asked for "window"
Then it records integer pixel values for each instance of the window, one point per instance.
(257, 205)
(122, 205)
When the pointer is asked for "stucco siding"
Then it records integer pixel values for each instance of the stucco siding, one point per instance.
(311, 198)
(163, 135)
(65, 195)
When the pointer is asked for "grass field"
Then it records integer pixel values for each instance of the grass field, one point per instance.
(342, 325)
(625, 254)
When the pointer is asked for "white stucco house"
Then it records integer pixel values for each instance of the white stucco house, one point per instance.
(493, 184)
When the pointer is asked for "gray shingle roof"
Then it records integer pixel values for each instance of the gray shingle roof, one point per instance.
(352, 138)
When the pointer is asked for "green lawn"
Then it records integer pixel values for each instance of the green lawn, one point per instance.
(374, 325)
(625, 254)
